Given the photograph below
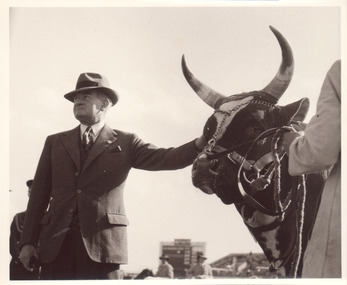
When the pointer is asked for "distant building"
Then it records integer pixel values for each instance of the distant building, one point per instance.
(182, 253)
(243, 265)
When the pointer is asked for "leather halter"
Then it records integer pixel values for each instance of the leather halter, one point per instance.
(213, 151)
(258, 166)
(248, 165)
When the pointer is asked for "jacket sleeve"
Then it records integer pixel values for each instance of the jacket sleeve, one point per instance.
(171, 272)
(149, 157)
(320, 146)
(39, 197)
(14, 237)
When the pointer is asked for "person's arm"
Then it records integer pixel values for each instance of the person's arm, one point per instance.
(170, 272)
(14, 237)
(207, 272)
(189, 272)
(147, 156)
(320, 146)
(200, 143)
(210, 274)
(28, 256)
(37, 205)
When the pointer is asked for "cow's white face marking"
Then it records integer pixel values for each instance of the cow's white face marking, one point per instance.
(258, 219)
(259, 115)
(228, 106)
(271, 243)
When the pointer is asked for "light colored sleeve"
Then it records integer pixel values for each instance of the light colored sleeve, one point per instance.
(170, 272)
(209, 271)
(190, 270)
(320, 146)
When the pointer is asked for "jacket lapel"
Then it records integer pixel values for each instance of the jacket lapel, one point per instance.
(71, 141)
(106, 138)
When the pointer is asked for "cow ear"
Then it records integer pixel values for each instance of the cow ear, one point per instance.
(297, 111)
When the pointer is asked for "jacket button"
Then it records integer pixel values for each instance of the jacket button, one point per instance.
(77, 173)
(71, 210)
(79, 191)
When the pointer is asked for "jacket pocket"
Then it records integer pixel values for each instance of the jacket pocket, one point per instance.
(117, 219)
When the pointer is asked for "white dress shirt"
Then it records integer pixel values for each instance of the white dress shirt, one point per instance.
(96, 129)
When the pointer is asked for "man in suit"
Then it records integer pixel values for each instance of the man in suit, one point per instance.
(165, 269)
(200, 270)
(76, 210)
(17, 271)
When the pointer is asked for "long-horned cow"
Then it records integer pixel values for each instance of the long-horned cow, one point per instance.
(245, 164)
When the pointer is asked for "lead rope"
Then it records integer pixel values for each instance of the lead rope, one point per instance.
(301, 202)
(278, 153)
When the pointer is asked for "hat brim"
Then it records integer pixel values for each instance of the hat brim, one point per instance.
(107, 91)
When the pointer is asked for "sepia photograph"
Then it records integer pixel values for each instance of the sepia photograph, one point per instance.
(170, 142)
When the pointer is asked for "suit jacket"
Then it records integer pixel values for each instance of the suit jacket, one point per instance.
(61, 187)
(319, 149)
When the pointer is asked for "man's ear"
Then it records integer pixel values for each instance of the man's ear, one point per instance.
(297, 111)
(106, 104)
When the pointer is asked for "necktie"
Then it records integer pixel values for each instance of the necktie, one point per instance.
(87, 140)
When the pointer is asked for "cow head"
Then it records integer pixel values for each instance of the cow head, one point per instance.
(241, 118)
(245, 164)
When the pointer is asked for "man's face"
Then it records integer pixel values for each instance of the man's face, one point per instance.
(88, 107)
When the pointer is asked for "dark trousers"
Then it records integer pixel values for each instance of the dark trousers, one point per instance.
(74, 263)
(18, 272)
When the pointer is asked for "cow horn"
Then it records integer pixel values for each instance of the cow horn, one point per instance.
(281, 81)
(209, 96)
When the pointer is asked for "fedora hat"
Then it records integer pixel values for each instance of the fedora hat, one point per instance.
(164, 256)
(92, 81)
(202, 256)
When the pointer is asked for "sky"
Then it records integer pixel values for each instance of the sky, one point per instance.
(139, 49)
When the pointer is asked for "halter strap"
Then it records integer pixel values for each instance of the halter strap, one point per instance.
(248, 198)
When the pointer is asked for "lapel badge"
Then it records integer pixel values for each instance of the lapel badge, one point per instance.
(111, 140)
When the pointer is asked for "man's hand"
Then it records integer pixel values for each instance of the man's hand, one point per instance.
(26, 256)
(201, 142)
(299, 126)
(288, 139)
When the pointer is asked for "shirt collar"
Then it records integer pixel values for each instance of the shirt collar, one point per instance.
(96, 128)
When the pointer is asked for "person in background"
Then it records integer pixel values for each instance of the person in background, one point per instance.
(319, 148)
(165, 269)
(200, 270)
(76, 210)
(17, 270)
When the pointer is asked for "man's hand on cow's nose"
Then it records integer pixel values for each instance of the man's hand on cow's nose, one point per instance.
(200, 142)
